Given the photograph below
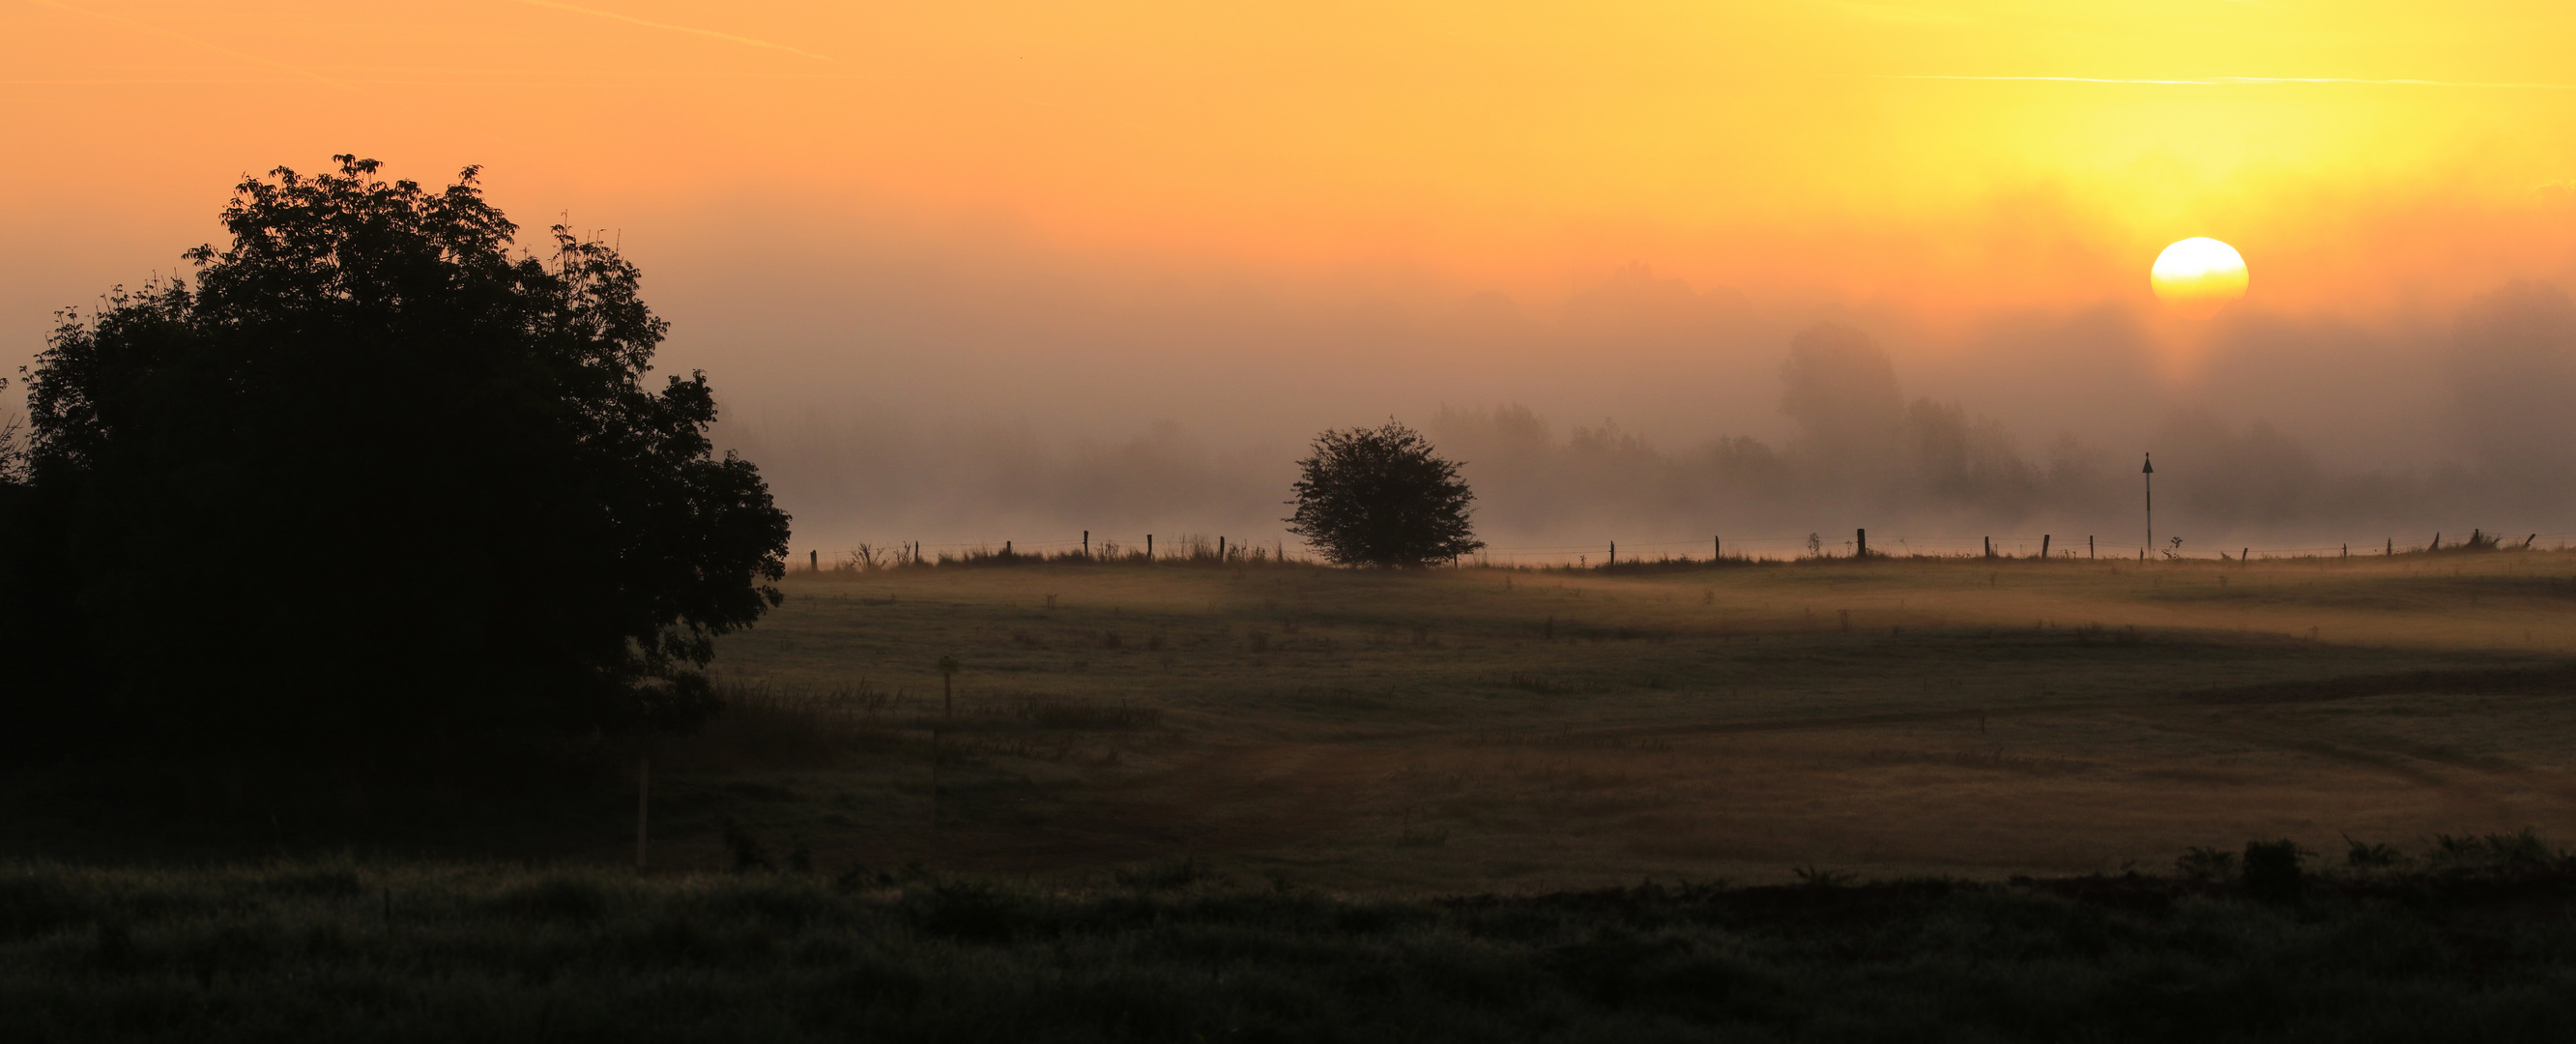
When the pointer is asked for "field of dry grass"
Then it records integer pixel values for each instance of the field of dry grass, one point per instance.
(1197, 801)
(1516, 730)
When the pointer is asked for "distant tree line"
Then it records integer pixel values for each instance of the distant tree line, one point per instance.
(1860, 449)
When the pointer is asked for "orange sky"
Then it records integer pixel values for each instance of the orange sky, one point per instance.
(1258, 218)
(1790, 145)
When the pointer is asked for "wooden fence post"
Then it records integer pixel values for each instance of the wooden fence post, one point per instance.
(1990, 547)
(1086, 543)
(2088, 548)
(1861, 538)
(1614, 552)
(2043, 547)
(1716, 549)
(1149, 547)
(947, 709)
(947, 686)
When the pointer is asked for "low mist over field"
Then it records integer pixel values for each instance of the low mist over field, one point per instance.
(1645, 410)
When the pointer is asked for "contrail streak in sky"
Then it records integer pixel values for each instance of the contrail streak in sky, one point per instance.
(2238, 81)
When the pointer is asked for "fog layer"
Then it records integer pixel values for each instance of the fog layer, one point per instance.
(959, 407)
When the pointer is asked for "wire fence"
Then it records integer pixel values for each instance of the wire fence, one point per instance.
(1192, 547)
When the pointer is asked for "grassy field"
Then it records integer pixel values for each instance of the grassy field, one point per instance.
(1476, 729)
(2471, 945)
(1197, 802)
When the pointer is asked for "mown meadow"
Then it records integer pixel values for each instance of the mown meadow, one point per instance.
(1483, 729)
(1963, 799)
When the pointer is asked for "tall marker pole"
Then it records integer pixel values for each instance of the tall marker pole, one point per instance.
(2150, 472)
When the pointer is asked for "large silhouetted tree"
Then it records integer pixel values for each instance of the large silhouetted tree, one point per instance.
(376, 483)
(1381, 496)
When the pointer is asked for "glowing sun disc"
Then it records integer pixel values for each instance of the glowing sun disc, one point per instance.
(2198, 276)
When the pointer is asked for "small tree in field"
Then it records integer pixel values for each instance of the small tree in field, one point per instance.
(1380, 496)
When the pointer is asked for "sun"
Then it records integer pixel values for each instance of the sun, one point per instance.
(2198, 276)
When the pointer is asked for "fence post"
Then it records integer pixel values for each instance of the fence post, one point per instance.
(1990, 547)
(2043, 547)
(2088, 548)
(814, 561)
(947, 686)
(1614, 552)
(1860, 537)
(1220, 550)
(1149, 547)
(1716, 549)
(1086, 543)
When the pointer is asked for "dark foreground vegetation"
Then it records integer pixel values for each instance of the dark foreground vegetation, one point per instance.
(286, 515)
(2471, 941)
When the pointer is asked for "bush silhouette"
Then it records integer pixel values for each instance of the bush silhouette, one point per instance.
(2272, 871)
(1381, 496)
(373, 485)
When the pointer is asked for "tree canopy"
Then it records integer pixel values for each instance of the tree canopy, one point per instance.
(1381, 496)
(376, 480)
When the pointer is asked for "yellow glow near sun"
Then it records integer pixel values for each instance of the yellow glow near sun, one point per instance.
(2198, 276)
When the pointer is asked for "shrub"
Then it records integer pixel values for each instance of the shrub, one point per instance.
(2272, 871)
(1382, 497)
(2360, 855)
